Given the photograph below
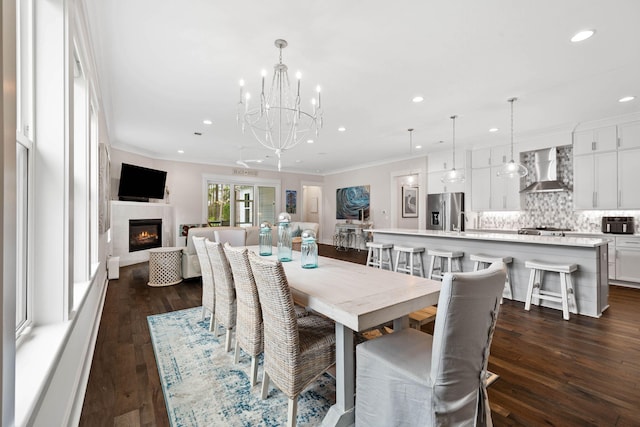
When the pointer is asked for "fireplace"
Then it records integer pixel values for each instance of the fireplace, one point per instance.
(144, 234)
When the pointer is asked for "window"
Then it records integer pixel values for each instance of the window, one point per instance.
(24, 162)
(240, 211)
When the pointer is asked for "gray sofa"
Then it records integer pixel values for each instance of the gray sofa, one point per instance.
(190, 263)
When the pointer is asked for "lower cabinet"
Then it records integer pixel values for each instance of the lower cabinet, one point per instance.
(628, 259)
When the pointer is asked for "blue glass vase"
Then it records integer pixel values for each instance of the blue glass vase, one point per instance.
(285, 243)
(309, 250)
(265, 240)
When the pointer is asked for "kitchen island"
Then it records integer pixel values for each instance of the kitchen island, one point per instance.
(590, 282)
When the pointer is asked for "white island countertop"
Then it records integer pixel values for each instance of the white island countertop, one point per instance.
(585, 242)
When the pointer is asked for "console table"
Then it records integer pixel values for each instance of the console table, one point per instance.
(350, 236)
(165, 266)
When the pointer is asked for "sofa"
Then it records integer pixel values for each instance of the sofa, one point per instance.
(190, 262)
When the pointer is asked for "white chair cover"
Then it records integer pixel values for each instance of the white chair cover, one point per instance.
(208, 294)
(234, 237)
(410, 378)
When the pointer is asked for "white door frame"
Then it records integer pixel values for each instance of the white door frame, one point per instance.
(422, 196)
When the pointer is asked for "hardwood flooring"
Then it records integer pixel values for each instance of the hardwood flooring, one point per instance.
(584, 372)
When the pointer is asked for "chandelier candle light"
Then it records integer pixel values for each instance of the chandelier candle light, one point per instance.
(279, 123)
(453, 175)
(512, 169)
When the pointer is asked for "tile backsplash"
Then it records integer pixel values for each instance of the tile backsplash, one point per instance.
(551, 209)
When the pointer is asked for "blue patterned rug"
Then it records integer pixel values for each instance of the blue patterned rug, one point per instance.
(203, 387)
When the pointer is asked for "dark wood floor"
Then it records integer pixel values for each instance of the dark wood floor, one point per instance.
(584, 372)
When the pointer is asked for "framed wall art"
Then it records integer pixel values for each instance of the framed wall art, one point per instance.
(409, 202)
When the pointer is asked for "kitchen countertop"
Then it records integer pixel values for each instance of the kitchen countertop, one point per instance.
(504, 236)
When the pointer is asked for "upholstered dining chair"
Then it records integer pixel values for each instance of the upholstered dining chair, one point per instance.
(225, 309)
(411, 378)
(297, 350)
(208, 294)
(233, 237)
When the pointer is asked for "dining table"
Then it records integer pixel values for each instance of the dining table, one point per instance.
(357, 298)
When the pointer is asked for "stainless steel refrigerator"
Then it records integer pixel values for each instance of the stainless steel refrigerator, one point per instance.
(445, 211)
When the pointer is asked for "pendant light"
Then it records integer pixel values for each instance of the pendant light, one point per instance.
(410, 140)
(453, 176)
(511, 169)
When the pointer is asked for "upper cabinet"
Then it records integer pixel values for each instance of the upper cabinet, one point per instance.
(488, 191)
(605, 167)
(443, 160)
(595, 141)
(629, 135)
(481, 158)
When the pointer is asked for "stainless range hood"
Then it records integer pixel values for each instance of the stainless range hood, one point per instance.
(545, 172)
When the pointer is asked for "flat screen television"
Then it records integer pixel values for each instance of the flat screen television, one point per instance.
(141, 184)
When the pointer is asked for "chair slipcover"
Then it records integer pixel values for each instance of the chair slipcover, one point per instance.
(208, 294)
(410, 378)
(234, 237)
(225, 309)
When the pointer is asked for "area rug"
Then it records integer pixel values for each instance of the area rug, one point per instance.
(203, 387)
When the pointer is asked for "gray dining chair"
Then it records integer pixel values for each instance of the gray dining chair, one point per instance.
(297, 350)
(412, 378)
(225, 309)
(208, 293)
(235, 237)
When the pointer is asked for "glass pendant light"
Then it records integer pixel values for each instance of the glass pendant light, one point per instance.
(453, 175)
(511, 169)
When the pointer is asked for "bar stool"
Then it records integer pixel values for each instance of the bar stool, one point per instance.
(410, 254)
(482, 260)
(441, 256)
(375, 257)
(566, 296)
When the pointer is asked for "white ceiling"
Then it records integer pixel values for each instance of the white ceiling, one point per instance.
(164, 66)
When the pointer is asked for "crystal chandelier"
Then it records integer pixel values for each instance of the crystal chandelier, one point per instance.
(511, 169)
(453, 175)
(277, 121)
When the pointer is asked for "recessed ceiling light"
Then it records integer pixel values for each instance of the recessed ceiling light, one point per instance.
(207, 122)
(418, 99)
(418, 147)
(342, 129)
(582, 35)
(181, 151)
(309, 141)
(626, 99)
(493, 130)
(298, 161)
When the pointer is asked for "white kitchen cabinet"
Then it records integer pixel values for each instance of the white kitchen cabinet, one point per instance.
(629, 135)
(505, 192)
(500, 154)
(481, 158)
(628, 258)
(435, 185)
(442, 160)
(595, 141)
(628, 179)
(481, 189)
(595, 181)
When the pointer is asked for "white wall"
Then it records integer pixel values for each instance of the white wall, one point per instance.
(379, 179)
(184, 181)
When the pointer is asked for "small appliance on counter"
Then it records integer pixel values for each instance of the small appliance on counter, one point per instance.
(618, 224)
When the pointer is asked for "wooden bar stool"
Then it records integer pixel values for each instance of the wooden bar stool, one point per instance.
(409, 254)
(441, 255)
(375, 257)
(483, 261)
(566, 296)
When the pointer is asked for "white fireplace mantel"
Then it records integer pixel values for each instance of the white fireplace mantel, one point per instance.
(122, 212)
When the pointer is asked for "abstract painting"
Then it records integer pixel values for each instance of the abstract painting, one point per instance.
(353, 203)
(291, 201)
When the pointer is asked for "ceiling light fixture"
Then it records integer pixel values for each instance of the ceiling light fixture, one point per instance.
(493, 130)
(279, 123)
(207, 122)
(417, 99)
(342, 129)
(453, 175)
(626, 99)
(512, 169)
(582, 35)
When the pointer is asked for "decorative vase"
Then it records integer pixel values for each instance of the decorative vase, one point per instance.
(265, 239)
(285, 244)
(309, 250)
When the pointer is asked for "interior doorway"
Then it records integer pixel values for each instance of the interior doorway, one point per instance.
(312, 205)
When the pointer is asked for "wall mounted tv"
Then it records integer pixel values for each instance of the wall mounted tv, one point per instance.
(140, 184)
